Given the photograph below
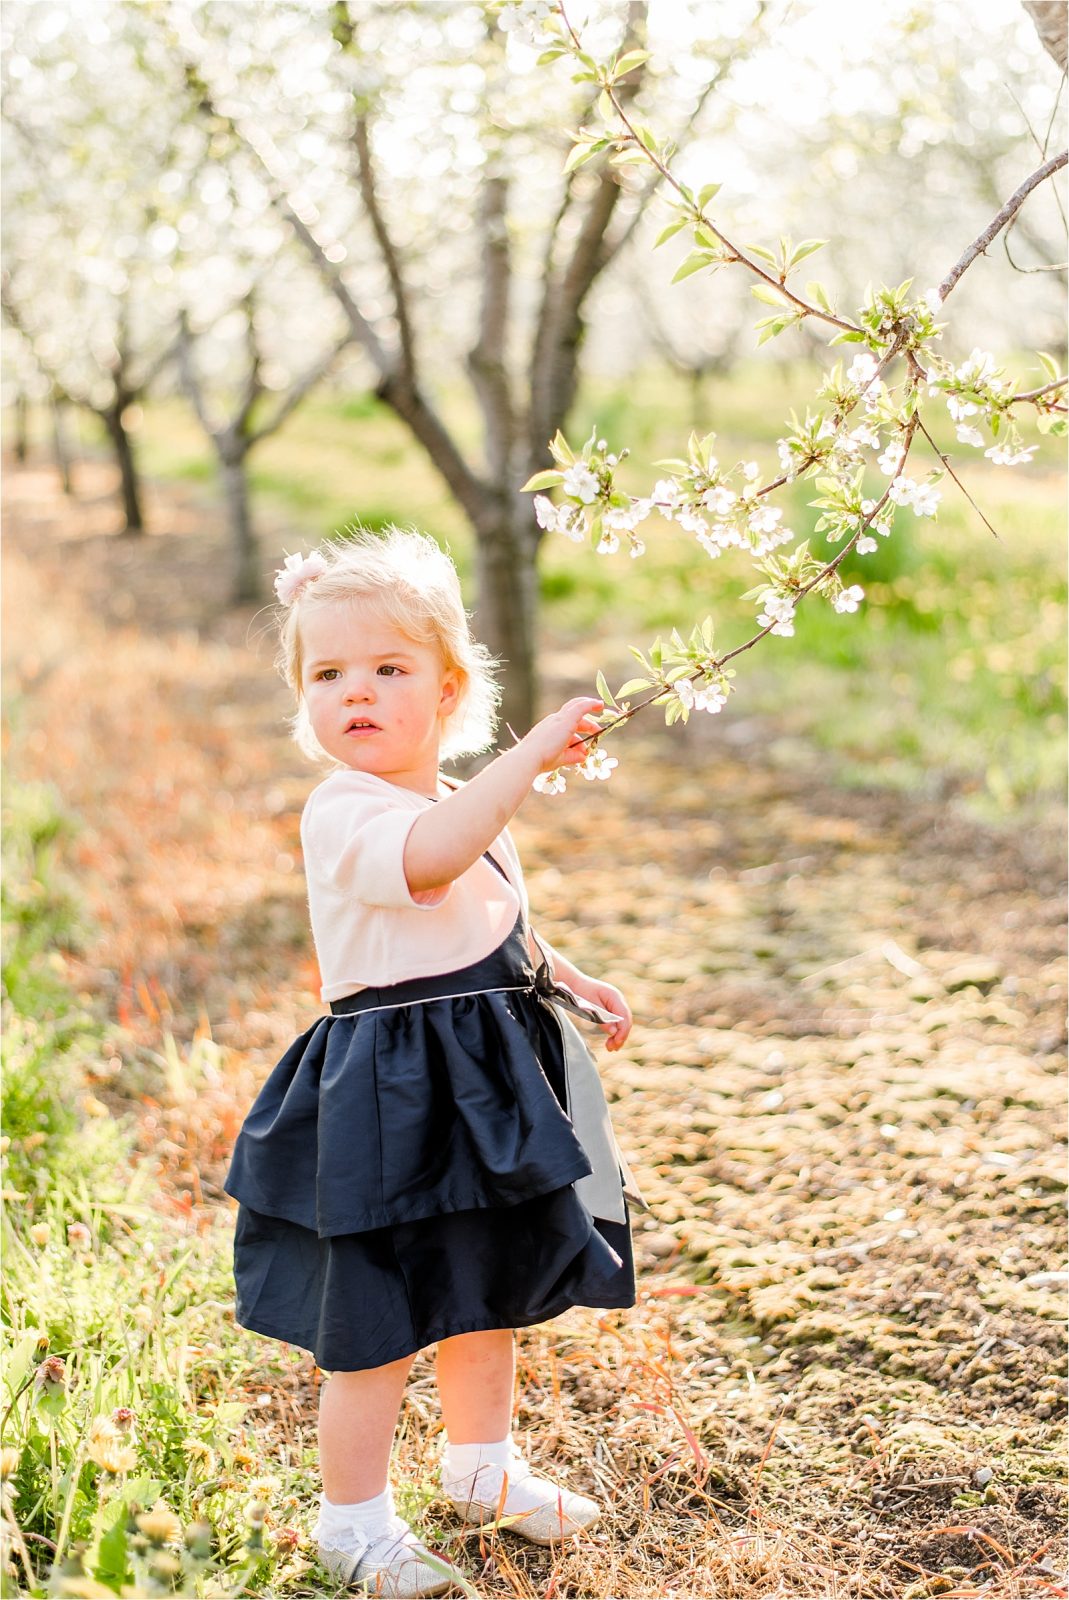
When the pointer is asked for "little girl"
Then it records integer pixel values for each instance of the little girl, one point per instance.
(432, 1163)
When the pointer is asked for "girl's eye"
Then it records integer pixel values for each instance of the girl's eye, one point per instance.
(390, 669)
(323, 674)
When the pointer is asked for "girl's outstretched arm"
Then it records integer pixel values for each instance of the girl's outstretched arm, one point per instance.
(444, 841)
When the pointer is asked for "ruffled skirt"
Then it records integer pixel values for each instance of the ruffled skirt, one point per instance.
(406, 1174)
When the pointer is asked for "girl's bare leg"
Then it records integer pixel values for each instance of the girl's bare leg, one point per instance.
(357, 1423)
(476, 1373)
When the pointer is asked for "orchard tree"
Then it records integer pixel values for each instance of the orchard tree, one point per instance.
(897, 337)
(89, 242)
(334, 107)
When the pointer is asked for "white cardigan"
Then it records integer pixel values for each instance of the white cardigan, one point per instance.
(367, 926)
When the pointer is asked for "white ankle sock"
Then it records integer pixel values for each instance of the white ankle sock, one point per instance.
(461, 1460)
(373, 1518)
(479, 1469)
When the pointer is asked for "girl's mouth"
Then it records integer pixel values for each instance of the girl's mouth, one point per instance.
(360, 725)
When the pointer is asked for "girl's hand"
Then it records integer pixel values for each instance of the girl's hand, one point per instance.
(557, 740)
(604, 994)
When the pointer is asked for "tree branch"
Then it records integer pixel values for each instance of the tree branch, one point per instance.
(997, 223)
(387, 250)
(297, 391)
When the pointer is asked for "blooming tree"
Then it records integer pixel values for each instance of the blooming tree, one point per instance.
(865, 421)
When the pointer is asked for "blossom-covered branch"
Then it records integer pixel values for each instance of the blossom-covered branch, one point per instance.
(723, 504)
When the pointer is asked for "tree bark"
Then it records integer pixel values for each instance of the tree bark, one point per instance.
(60, 444)
(506, 611)
(22, 413)
(248, 584)
(129, 482)
(1052, 24)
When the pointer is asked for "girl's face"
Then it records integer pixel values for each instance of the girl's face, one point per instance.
(375, 698)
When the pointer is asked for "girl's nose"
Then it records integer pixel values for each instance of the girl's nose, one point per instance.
(359, 689)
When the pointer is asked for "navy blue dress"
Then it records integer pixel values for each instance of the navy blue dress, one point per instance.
(406, 1171)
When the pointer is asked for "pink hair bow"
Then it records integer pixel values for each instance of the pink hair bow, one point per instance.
(298, 571)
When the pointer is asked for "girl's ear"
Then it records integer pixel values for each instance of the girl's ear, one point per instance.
(450, 697)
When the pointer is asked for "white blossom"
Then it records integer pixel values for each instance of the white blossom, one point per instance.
(637, 549)
(598, 765)
(691, 522)
(719, 499)
(865, 434)
(712, 546)
(546, 514)
(967, 435)
(862, 370)
(883, 528)
(550, 782)
(926, 499)
(709, 697)
(890, 460)
(609, 543)
(779, 610)
(526, 18)
(826, 429)
(751, 471)
(580, 483)
(873, 396)
(763, 519)
(1003, 456)
(865, 546)
(666, 496)
(572, 523)
(932, 299)
(960, 409)
(849, 599)
(979, 366)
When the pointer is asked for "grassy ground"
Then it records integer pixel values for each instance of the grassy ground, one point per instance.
(842, 1097)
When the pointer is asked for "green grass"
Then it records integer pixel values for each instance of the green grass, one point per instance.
(98, 1305)
(955, 662)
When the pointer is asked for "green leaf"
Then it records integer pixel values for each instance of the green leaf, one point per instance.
(672, 228)
(627, 63)
(770, 296)
(561, 450)
(646, 137)
(550, 55)
(849, 336)
(816, 292)
(584, 152)
(707, 193)
(806, 248)
(1049, 363)
(633, 685)
(759, 250)
(542, 480)
(705, 236)
(604, 692)
(693, 263)
(772, 327)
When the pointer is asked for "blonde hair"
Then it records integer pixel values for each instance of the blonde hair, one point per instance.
(415, 586)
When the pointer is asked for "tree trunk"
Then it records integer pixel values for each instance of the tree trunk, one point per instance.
(128, 477)
(506, 615)
(60, 445)
(22, 415)
(248, 585)
(1052, 24)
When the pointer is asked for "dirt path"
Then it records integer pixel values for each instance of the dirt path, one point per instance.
(843, 1096)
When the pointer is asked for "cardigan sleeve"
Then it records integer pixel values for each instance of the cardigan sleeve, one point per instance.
(358, 841)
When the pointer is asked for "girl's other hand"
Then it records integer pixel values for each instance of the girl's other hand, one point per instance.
(610, 998)
(558, 740)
